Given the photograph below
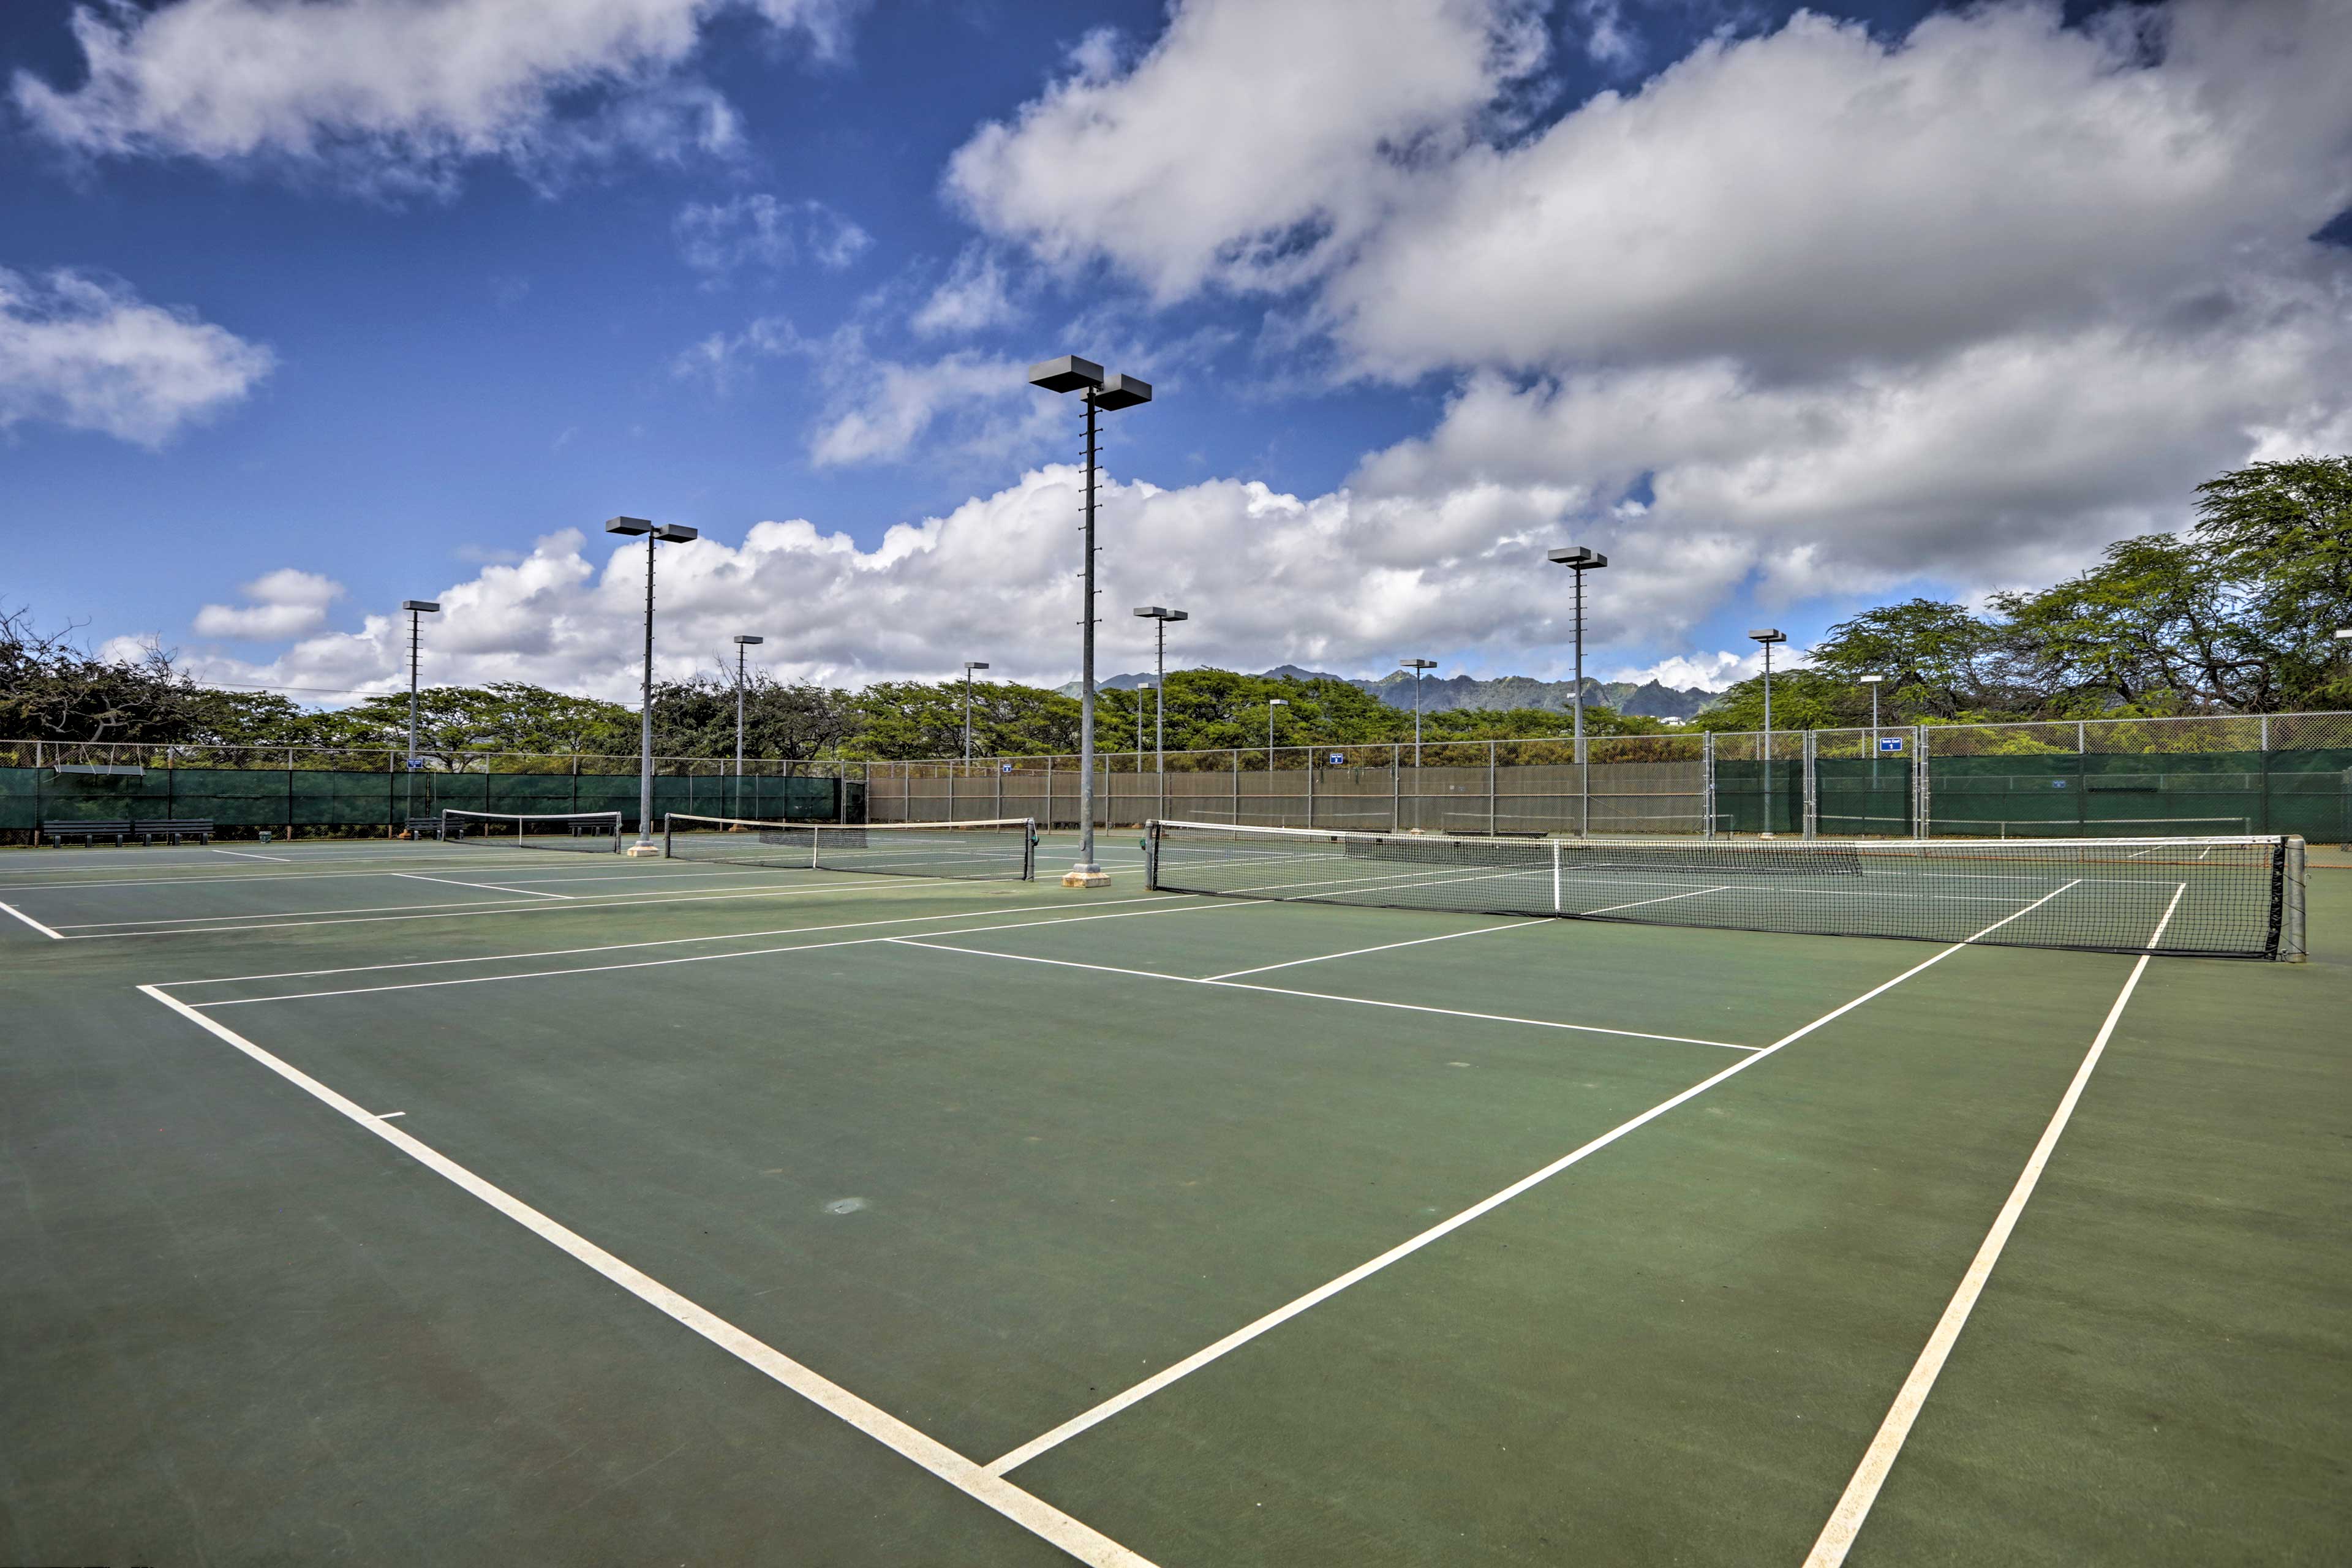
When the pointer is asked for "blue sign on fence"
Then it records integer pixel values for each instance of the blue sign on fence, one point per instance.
(1338, 759)
(1004, 767)
(1891, 743)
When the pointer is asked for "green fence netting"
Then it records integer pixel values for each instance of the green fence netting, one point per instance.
(323, 799)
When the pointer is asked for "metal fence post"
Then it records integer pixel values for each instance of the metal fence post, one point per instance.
(1490, 789)
(1396, 789)
(1923, 800)
(1812, 785)
(1706, 783)
(1310, 787)
(1237, 786)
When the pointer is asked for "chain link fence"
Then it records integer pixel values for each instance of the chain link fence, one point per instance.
(2281, 773)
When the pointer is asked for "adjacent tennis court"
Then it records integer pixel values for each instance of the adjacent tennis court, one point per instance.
(499, 1195)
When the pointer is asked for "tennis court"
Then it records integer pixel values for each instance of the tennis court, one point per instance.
(445, 1200)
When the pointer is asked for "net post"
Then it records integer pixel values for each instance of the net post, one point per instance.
(1556, 908)
(1310, 787)
(1396, 789)
(2290, 946)
(1490, 791)
(669, 833)
(1151, 855)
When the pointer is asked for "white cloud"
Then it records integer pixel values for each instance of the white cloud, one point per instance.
(398, 91)
(1709, 671)
(1336, 581)
(760, 230)
(88, 353)
(1253, 142)
(972, 298)
(962, 407)
(1816, 195)
(285, 603)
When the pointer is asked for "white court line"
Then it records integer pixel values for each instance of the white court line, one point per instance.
(1283, 1314)
(485, 887)
(1853, 1507)
(662, 941)
(29, 920)
(1080, 1541)
(1314, 996)
(764, 890)
(247, 855)
(1188, 908)
(1359, 952)
(1666, 899)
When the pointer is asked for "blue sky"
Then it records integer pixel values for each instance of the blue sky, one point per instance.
(307, 310)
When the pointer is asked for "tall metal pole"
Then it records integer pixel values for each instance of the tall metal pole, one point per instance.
(414, 618)
(645, 714)
(967, 715)
(1583, 763)
(1086, 865)
(1768, 636)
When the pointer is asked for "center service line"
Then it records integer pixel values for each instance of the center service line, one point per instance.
(1845, 1520)
(1283, 1314)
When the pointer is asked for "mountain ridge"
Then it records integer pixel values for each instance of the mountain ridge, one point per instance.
(1649, 699)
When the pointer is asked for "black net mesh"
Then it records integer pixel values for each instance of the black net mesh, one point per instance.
(998, 849)
(588, 832)
(2237, 897)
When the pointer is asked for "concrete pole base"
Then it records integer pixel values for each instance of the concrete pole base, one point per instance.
(1076, 877)
(642, 851)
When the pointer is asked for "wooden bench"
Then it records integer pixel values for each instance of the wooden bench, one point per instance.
(423, 827)
(56, 833)
(175, 828)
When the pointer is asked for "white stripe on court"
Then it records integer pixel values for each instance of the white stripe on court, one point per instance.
(485, 887)
(244, 855)
(1187, 907)
(1080, 1541)
(662, 941)
(1314, 996)
(1384, 947)
(1283, 1314)
(29, 920)
(1853, 1507)
(1665, 899)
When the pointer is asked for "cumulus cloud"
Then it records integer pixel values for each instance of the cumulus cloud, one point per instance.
(283, 604)
(1845, 310)
(1252, 144)
(1331, 580)
(398, 91)
(88, 353)
(715, 238)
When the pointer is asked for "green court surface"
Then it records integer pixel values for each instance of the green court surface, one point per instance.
(426, 1204)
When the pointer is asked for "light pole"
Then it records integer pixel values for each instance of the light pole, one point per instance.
(1417, 665)
(1107, 393)
(740, 644)
(1162, 615)
(1580, 560)
(969, 666)
(1271, 704)
(416, 607)
(1874, 682)
(1141, 686)
(676, 533)
(1768, 636)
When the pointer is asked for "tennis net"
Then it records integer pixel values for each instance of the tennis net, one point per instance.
(2216, 897)
(1004, 849)
(595, 832)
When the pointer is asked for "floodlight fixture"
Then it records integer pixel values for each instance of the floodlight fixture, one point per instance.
(1102, 394)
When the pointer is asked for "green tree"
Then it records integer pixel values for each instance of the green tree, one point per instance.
(2155, 628)
(1941, 661)
(1801, 700)
(2282, 531)
(780, 719)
